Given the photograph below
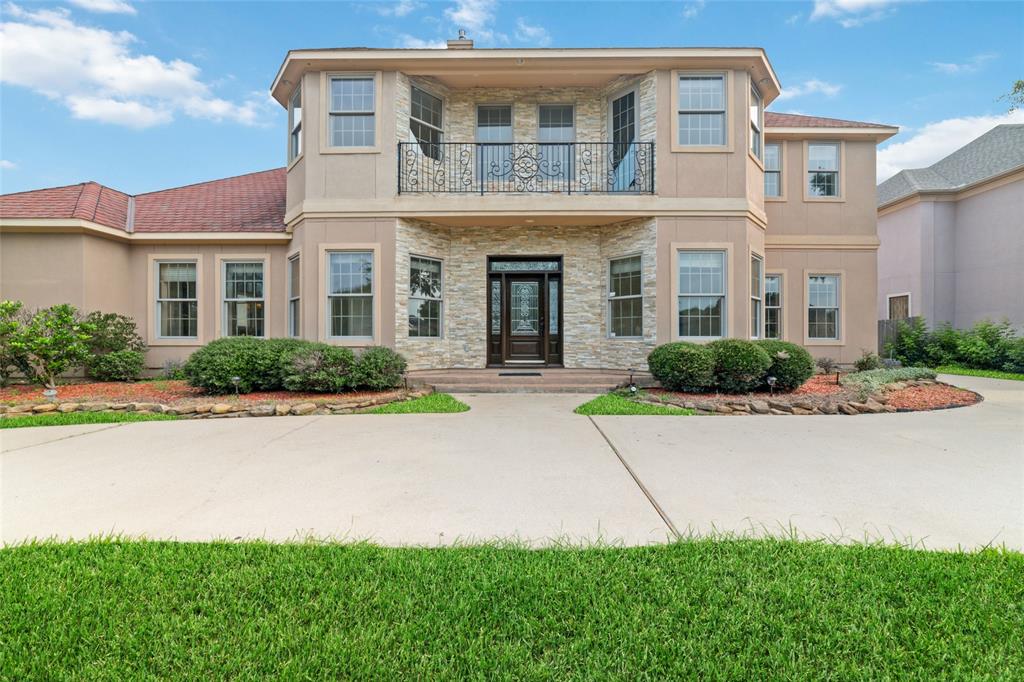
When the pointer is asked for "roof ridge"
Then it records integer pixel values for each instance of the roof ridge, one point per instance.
(78, 199)
(208, 182)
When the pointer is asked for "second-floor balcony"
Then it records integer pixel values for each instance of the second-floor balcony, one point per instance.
(526, 167)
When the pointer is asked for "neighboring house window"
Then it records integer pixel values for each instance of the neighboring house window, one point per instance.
(625, 297)
(243, 298)
(558, 129)
(702, 294)
(350, 294)
(773, 306)
(426, 297)
(701, 110)
(823, 307)
(756, 122)
(773, 169)
(352, 113)
(494, 131)
(823, 169)
(756, 295)
(426, 122)
(177, 301)
(295, 124)
(294, 291)
(899, 307)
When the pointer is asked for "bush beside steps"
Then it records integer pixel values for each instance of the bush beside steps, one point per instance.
(730, 365)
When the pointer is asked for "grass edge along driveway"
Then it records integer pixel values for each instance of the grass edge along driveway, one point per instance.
(738, 609)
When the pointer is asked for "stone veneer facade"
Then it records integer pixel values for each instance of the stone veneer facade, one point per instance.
(585, 251)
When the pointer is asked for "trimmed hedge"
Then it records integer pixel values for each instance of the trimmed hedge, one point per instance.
(740, 365)
(118, 365)
(379, 368)
(317, 367)
(683, 366)
(212, 367)
(791, 364)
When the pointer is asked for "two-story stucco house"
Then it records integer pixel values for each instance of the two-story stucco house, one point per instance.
(489, 207)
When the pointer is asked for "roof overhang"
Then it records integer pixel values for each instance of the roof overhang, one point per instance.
(79, 226)
(876, 133)
(954, 193)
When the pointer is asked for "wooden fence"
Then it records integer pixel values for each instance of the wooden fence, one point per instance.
(887, 331)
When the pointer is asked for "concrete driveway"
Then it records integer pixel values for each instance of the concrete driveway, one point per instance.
(525, 467)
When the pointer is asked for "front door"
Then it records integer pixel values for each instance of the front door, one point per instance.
(524, 301)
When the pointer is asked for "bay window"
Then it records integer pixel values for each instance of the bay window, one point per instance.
(773, 169)
(625, 297)
(823, 307)
(244, 302)
(756, 122)
(294, 292)
(352, 111)
(350, 294)
(701, 296)
(756, 295)
(773, 306)
(701, 110)
(177, 300)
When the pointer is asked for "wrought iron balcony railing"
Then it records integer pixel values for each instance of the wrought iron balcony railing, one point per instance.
(526, 167)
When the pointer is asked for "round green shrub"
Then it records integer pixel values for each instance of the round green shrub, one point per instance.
(317, 367)
(379, 368)
(212, 367)
(791, 364)
(682, 366)
(740, 365)
(268, 368)
(118, 365)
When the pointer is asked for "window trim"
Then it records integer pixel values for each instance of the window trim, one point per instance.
(841, 144)
(758, 158)
(325, 109)
(727, 248)
(609, 298)
(444, 112)
(322, 307)
(782, 275)
(813, 341)
(290, 295)
(410, 297)
(292, 160)
(760, 298)
(910, 304)
(221, 261)
(729, 101)
(782, 169)
(152, 289)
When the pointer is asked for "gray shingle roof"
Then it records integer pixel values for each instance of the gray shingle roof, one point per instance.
(994, 153)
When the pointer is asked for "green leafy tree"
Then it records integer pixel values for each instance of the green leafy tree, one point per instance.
(12, 358)
(1015, 96)
(53, 341)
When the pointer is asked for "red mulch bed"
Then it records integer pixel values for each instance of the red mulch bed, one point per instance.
(932, 397)
(817, 385)
(166, 392)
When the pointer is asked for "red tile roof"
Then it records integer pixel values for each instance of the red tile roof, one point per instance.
(246, 203)
(776, 120)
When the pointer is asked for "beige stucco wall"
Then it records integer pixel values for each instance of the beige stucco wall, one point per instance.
(42, 269)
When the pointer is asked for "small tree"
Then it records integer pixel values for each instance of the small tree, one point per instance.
(53, 341)
(12, 358)
(1016, 96)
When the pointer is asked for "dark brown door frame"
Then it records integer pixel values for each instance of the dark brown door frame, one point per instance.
(551, 344)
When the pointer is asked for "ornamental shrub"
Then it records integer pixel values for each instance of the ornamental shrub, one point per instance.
(12, 357)
(114, 333)
(267, 368)
(826, 365)
(986, 345)
(791, 364)
(212, 367)
(317, 367)
(867, 360)
(378, 368)
(50, 342)
(118, 365)
(1013, 360)
(683, 366)
(740, 365)
(872, 380)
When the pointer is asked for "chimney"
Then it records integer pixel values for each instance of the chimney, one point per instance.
(461, 43)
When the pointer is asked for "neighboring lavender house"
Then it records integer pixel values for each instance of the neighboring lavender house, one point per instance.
(953, 235)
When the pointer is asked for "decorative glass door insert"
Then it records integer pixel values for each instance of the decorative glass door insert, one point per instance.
(525, 309)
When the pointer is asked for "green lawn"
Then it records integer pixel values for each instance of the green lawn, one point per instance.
(58, 419)
(742, 609)
(433, 403)
(988, 373)
(615, 404)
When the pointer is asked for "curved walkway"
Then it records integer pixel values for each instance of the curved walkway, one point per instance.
(525, 467)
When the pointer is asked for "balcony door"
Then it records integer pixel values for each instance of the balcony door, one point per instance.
(524, 311)
(622, 132)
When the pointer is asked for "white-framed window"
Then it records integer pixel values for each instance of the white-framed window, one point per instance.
(773, 169)
(823, 169)
(350, 294)
(294, 295)
(702, 289)
(702, 110)
(295, 124)
(351, 111)
(494, 132)
(823, 312)
(756, 295)
(244, 302)
(625, 297)
(555, 132)
(756, 122)
(426, 297)
(426, 121)
(773, 306)
(177, 300)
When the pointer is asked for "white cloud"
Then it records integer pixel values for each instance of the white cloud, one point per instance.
(852, 13)
(406, 40)
(793, 18)
(476, 16)
(105, 6)
(98, 76)
(7, 165)
(397, 9)
(970, 66)
(935, 141)
(809, 87)
(692, 9)
(538, 35)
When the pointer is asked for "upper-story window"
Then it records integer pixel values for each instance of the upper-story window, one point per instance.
(702, 110)
(823, 169)
(352, 111)
(426, 121)
(556, 127)
(295, 124)
(773, 169)
(494, 129)
(756, 122)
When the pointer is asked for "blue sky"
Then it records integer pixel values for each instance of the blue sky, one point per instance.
(143, 95)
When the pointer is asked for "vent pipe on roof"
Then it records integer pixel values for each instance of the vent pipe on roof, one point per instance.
(461, 43)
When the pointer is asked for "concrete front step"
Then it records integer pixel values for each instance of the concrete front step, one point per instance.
(520, 388)
(523, 380)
